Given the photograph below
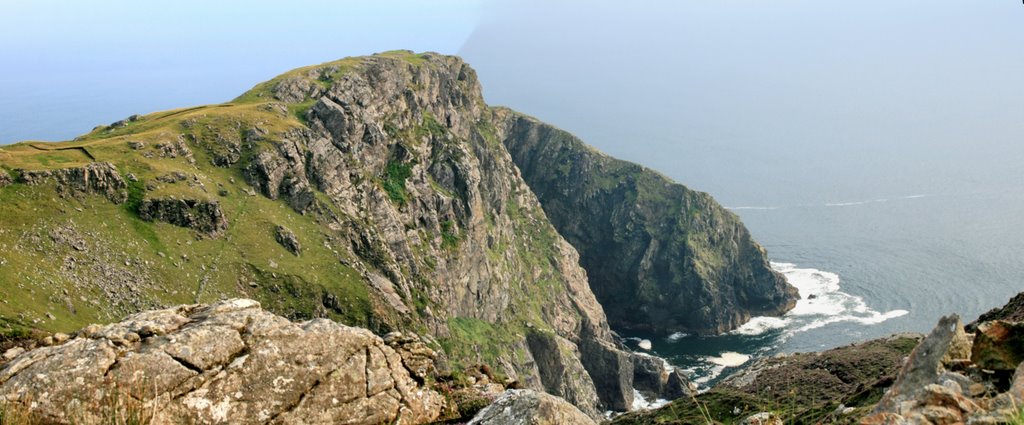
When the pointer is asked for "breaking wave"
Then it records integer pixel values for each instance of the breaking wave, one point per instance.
(821, 303)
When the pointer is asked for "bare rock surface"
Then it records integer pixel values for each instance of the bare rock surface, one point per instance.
(99, 178)
(5, 179)
(955, 377)
(528, 407)
(205, 217)
(229, 362)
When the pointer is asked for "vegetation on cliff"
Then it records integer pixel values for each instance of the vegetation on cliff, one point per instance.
(375, 191)
(660, 257)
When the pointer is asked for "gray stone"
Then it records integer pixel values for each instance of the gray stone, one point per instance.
(203, 216)
(229, 362)
(98, 177)
(288, 240)
(923, 367)
(528, 407)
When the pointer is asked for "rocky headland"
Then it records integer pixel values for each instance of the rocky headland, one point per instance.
(382, 193)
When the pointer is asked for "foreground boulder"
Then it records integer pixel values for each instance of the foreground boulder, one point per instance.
(528, 407)
(955, 377)
(229, 362)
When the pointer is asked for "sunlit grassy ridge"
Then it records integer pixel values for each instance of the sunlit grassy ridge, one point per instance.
(37, 282)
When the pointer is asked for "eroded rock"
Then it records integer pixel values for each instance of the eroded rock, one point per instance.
(287, 239)
(205, 217)
(528, 407)
(99, 178)
(998, 345)
(229, 362)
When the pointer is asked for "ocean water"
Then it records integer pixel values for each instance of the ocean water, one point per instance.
(866, 269)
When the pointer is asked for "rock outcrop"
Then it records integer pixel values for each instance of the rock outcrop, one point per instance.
(288, 240)
(404, 152)
(205, 217)
(654, 380)
(958, 377)
(99, 178)
(412, 214)
(5, 179)
(528, 407)
(229, 362)
(660, 257)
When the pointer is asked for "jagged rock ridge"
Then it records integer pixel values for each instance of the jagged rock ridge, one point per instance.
(390, 170)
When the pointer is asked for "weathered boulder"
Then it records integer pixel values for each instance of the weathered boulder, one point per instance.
(5, 179)
(922, 368)
(528, 407)
(205, 217)
(229, 362)
(998, 345)
(287, 239)
(99, 178)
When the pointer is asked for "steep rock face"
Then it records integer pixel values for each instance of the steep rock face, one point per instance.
(405, 156)
(660, 257)
(411, 213)
(99, 177)
(229, 362)
(203, 216)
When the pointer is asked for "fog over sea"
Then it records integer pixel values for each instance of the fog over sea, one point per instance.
(875, 148)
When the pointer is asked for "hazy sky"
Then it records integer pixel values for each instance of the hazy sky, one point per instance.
(848, 95)
(70, 65)
(713, 93)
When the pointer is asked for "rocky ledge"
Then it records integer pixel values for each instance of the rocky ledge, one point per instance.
(229, 362)
(205, 217)
(98, 177)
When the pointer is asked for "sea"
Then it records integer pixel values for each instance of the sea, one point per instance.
(866, 269)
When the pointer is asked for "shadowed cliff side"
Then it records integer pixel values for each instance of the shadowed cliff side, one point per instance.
(660, 257)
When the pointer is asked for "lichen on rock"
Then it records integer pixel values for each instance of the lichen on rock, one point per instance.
(229, 362)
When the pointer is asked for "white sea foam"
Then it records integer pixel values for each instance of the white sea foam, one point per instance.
(760, 325)
(644, 344)
(821, 303)
(641, 403)
(677, 336)
(847, 204)
(729, 359)
(916, 196)
(708, 375)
